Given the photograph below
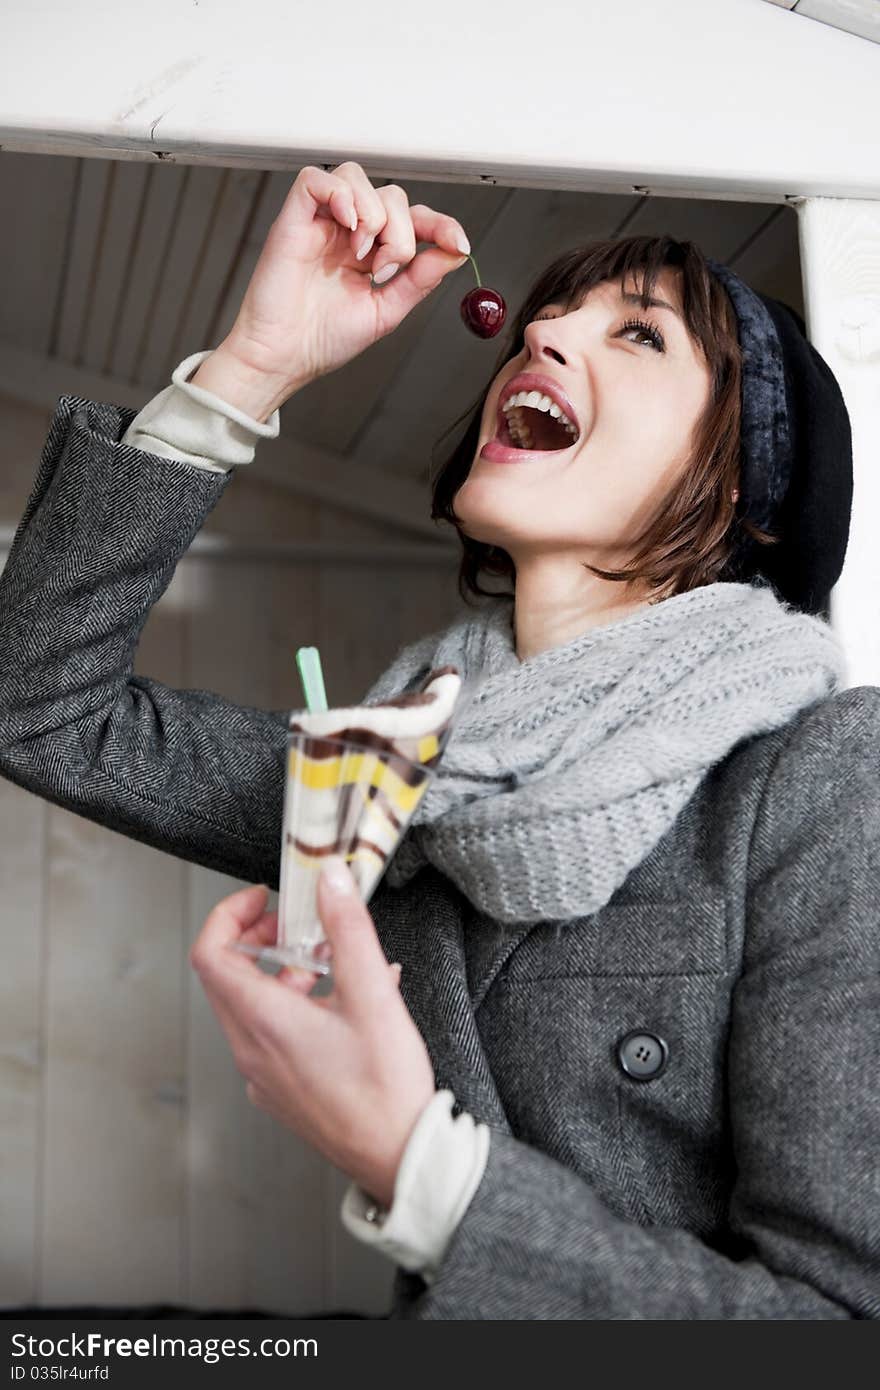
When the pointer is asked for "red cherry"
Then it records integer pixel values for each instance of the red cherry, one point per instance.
(483, 310)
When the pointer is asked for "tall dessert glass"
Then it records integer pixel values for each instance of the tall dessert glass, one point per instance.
(341, 797)
(354, 778)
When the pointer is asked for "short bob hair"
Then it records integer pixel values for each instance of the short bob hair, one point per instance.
(700, 534)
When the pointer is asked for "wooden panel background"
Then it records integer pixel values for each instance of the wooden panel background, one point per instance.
(132, 1170)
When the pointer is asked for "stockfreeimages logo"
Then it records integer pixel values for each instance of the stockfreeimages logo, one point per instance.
(95, 1346)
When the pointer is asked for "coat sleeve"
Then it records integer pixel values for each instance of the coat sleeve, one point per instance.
(182, 770)
(803, 1097)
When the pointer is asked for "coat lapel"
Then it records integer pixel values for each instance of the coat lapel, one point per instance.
(423, 926)
(487, 947)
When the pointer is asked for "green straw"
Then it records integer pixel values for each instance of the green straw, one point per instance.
(308, 661)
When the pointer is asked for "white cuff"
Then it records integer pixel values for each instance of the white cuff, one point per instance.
(196, 426)
(439, 1173)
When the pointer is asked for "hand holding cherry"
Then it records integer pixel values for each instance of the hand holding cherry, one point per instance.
(483, 310)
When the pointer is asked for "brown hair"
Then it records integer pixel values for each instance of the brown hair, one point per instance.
(700, 534)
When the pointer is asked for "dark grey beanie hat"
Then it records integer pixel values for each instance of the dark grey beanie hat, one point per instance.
(796, 471)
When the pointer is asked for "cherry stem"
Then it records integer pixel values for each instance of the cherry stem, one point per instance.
(476, 272)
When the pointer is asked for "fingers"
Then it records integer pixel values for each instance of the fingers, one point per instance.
(396, 239)
(237, 988)
(298, 978)
(386, 221)
(424, 272)
(379, 210)
(264, 932)
(226, 923)
(303, 981)
(346, 194)
(380, 221)
(362, 981)
(418, 223)
(413, 284)
(315, 190)
(441, 229)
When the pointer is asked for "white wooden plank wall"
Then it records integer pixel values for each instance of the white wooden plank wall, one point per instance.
(112, 1178)
(24, 823)
(132, 1169)
(22, 1054)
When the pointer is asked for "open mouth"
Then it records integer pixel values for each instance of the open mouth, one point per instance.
(532, 430)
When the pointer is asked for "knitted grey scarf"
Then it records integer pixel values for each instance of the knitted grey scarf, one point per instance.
(564, 770)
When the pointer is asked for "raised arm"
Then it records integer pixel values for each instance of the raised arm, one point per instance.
(107, 522)
(102, 532)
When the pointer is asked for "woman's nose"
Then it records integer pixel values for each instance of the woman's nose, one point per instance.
(543, 340)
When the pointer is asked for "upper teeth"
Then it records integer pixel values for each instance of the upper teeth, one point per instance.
(537, 401)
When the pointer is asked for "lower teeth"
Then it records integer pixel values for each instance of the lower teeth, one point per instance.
(524, 442)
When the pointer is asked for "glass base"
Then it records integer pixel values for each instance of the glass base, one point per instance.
(297, 957)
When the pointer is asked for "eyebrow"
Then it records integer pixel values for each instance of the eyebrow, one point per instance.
(631, 298)
(652, 303)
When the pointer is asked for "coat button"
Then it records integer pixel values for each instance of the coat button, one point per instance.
(642, 1055)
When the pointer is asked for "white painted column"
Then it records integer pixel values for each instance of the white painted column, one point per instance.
(840, 260)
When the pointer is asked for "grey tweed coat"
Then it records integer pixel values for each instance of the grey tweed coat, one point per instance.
(683, 1089)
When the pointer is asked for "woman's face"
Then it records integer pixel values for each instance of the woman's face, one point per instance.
(636, 396)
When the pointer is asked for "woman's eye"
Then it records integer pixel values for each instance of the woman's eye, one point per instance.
(648, 330)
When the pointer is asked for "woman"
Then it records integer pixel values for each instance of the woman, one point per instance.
(635, 916)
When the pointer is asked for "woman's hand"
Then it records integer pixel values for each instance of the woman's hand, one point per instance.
(348, 1072)
(310, 306)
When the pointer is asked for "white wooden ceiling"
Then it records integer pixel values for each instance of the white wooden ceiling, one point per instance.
(112, 271)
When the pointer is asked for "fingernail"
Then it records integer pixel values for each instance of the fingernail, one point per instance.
(386, 273)
(364, 247)
(463, 244)
(337, 875)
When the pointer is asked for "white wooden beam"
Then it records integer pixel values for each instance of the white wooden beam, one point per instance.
(424, 91)
(840, 260)
(860, 17)
(403, 506)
